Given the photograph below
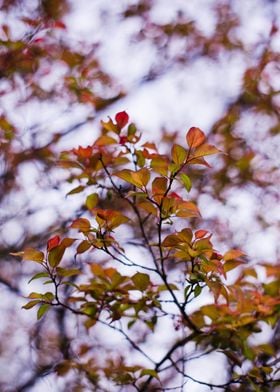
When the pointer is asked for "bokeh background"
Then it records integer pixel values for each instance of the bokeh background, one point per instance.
(64, 66)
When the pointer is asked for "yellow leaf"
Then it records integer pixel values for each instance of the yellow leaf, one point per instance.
(233, 254)
(33, 255)
(141, 176)
(205, 149)
(178, 154)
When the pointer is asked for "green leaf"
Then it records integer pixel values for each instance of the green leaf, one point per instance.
(178, 154)
(131, 129)
(55, 255)
(39, 275)
(31, 304)
(91, 201)
(186, 181)
(78, 189)
(42, 310)
(68, 272)
(149, 372)
(141, 281)
(197, 290)
(171, 286)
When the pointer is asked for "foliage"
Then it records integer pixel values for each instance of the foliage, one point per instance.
(56, 82)
(148, 194)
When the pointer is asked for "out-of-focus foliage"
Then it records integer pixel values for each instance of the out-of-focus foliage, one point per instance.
(55, 83)
(148, 196)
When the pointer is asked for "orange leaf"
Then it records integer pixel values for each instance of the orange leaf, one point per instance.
(205, 149)
(159, 187)
(53, 242)
(195, 137)
(81, 223)
(171, 241)
(187, 209)
(201, 233)
(141, 176)
(233, 254)
(104, 140)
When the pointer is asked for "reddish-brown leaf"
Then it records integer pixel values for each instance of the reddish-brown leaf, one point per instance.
(195, 137)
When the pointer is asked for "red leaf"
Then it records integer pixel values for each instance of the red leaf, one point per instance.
(58, 24)
(201, 233)
(83, 152)
(123, 140)
(53, 242)
(121, 119)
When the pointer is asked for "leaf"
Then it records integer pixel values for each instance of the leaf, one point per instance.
(197, 290)
(104, 140)
(125, 175)
(142, 176)
(38, 276)
(117, 221)
(178, 154)
(33, 255)
(210, 311)
(35, 296)
(131, 130)
(149, 372)
(160, 165)
(195, 137)
(159, 186)
(83, 152)
(82, 224)
(171, 286)
(91, 201)
(42, 310)
(200, 233)
(122, 119)
(187, 209)
(138, 178)
(186, 181)
(31, 304)
(148, 206)
(55, 255)
(170, 241)
(232, 264)
(78, 189)
(205, 149)
(83, 247)
(66, 242)
(233, 254)
(68, 272)
(110, 126)
(141, 281)
(53, 242)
